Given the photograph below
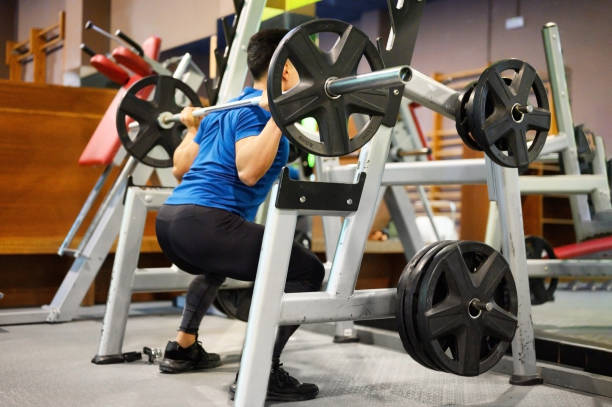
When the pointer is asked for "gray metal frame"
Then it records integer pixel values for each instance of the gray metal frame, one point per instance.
(127, 278)
(271, 307)
(340, 302)
(596, 186)
(123, 282)
(248, 24)
(579, 187)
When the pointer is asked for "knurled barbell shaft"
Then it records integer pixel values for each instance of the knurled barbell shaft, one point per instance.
(203, 111)
(385, 78)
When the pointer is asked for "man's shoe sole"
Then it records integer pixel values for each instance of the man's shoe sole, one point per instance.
(290, 397)
(181, 366)
(281, 396)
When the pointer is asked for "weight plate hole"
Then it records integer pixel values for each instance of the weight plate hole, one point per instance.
(517, 115)
(473, 310)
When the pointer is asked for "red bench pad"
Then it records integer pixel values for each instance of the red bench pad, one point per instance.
(583, 248)
(151, 47)
(131, 61)
(109, 69)
(104, 142)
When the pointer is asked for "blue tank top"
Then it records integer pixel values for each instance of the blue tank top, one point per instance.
(213, 178)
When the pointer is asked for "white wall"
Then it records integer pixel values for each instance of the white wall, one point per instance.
(453, 37)
(175, 22)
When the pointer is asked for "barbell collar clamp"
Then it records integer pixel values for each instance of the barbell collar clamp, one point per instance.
(481, 305)
(165, 120)
(488, 307)
(525, 109)
(385, 78)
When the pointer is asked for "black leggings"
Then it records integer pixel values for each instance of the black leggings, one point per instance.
(214, 244)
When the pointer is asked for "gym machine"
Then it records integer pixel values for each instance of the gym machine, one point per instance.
(493, 301)
(340, 302)
(126, 277)
(497, 298)
(157, 123)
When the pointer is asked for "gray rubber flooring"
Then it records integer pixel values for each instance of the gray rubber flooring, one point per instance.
(576, 316)
(49, 365)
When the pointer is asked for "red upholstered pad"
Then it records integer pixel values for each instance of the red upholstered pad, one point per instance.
(583, 248)
(151, 47)
(131, 61)
(109, 69)
(104, 142)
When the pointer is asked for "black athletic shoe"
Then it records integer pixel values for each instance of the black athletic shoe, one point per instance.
(283, 387)
(177, 359)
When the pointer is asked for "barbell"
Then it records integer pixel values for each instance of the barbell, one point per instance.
(328, 90)
(494, 114)
(333, 88)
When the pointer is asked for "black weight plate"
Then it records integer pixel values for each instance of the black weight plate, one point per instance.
(497, 131)
(146, 112)
(309, 98)
(410, 300)
(542, 289)
(462, 122)
(459, 274)
(401, 291)
(235, 303)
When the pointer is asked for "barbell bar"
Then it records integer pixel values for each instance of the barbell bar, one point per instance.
(334, 88)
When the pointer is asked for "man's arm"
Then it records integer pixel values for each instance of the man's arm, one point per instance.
(187, 151)
(255, 155)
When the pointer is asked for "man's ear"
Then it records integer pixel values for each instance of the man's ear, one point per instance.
(286, 70)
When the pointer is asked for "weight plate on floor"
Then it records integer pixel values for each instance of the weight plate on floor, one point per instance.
(235, 303)
(462, 279)
(401, 316)
(499, 122)
(409, 299)
(309, 97)
(143, 140)
(542, 289)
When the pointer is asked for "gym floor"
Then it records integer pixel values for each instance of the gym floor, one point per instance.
(49, 365)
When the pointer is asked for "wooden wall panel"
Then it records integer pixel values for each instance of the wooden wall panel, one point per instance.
(44, 130)
(474, 206)
(32, 96)
(43, 185)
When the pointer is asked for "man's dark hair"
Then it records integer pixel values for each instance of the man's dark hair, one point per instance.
(260, 49)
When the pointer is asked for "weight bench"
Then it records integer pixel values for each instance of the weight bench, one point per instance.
(104, 145)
